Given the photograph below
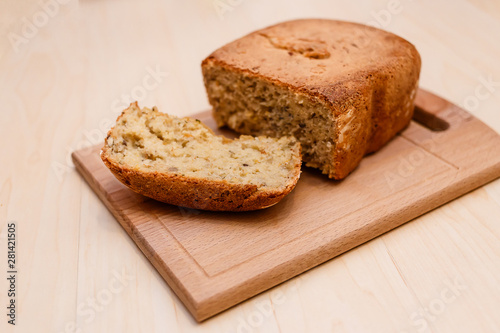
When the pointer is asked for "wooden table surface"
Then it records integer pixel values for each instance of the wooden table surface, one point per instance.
(67, 68)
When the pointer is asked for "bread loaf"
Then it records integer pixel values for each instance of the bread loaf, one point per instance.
(342, 89)
(181, 162)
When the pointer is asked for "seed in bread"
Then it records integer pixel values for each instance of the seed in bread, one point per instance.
(182, 162)
(342, 89)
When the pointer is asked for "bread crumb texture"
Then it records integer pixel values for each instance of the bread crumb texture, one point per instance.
(158, 155)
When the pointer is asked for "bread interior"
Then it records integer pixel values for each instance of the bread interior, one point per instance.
(147, 140)
(253, 105)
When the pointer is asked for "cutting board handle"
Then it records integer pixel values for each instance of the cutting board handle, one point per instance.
(437, 114)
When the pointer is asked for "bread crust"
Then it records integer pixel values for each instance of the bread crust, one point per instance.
(367, 77)
(194, 192)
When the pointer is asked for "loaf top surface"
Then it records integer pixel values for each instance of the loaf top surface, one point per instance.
(326, 58)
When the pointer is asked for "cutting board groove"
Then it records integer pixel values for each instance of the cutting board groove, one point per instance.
(215, 260)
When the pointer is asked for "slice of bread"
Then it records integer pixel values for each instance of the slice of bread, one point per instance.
(182, 162)
(342, 89)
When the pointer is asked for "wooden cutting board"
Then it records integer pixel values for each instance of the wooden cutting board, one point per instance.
(215, 260)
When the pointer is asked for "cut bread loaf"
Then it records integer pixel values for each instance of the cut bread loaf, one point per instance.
(342, 89)
(182, 162)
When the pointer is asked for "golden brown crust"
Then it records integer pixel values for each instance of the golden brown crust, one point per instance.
(346, 65)
(197, 193)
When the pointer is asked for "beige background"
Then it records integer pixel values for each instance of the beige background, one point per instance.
(66, 70)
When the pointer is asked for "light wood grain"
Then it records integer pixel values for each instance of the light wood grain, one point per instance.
(64, 83)
(213, 261)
